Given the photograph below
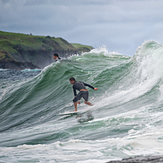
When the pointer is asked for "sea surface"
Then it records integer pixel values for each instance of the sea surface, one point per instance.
(127, 111)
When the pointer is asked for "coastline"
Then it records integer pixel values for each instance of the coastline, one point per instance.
(20, 51)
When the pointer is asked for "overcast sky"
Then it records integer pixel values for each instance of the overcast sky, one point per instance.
(120, 25)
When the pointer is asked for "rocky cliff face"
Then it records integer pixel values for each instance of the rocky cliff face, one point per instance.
(19, 51)
(17, 65)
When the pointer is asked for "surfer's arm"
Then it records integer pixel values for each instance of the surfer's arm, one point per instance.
(74, 89)
(88, 85)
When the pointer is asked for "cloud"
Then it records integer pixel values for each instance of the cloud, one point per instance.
(120, 25)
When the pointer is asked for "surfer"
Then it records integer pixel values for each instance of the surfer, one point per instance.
(83, 92)
(56, 57)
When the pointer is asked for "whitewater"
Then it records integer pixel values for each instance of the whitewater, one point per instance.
(127, 108)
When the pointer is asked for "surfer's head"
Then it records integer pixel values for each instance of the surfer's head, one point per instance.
(72, 80)
(55, 56)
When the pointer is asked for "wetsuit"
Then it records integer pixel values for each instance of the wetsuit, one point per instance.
(83, 92)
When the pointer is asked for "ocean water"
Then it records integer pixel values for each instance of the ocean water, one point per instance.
(127, 109)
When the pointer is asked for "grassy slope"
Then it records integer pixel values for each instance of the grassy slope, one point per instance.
(82, 48)
(12, 44)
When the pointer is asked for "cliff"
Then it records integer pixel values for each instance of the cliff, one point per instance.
(19, 51)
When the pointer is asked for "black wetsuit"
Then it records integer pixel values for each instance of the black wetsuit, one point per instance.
(79, 85)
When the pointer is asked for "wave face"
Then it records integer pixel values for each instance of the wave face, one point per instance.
(127, 108)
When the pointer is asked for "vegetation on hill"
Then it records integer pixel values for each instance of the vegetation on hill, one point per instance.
(37, 50)
(82, 48)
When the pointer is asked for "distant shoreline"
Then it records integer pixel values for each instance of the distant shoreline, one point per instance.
(20, 51)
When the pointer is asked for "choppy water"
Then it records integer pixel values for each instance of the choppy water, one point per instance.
(127, 110)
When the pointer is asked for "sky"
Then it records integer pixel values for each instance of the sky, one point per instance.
(119, 25)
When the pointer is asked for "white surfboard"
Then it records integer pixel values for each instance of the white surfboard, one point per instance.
(69, 113)
(82, 116)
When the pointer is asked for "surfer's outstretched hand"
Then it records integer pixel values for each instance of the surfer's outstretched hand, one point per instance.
(95, 89)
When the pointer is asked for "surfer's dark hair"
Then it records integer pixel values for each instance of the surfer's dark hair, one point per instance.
(72, 79)
(55, 54)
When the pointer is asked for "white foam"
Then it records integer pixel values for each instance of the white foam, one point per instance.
(99, 50)
(145, 74)
(150, 61)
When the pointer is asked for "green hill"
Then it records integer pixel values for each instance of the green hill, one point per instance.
(33, 50)
(82, 48)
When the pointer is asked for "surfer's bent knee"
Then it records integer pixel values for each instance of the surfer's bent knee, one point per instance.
(74, 100)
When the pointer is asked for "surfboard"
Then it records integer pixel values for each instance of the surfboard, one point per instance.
(74, 112)
(82, 116)
(69, 113)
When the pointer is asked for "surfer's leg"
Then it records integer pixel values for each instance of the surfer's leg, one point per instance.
(85, 96)
(76, 100)
(75, 105)
(88, 103)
